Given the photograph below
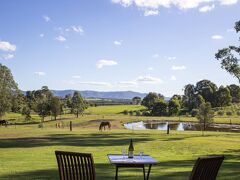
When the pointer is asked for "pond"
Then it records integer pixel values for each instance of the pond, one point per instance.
(180, 126)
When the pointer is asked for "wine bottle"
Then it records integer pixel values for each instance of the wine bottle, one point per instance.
(130, 149)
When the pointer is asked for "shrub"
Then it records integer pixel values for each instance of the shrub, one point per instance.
(138, 113)
(229, 113)
(130, 113)
(238, 113)
(220, 113)
(125, 112)
(194, 112)
(146, 113)
(187, 114)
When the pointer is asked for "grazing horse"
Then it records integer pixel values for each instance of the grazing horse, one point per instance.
(3, 122)
(104, 124)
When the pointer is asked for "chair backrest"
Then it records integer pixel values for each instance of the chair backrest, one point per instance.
(206, 168)
(75, 166)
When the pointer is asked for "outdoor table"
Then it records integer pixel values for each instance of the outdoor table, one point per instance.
(135, 162)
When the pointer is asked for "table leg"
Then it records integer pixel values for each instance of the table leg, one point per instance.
(149, 170)
(116, 176)
(144, 174)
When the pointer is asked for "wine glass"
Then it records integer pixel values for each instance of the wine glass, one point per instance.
(124, 152)
(141, 152)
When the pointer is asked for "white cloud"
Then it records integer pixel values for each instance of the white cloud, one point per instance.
(46, 18)
(61, 38)
(8, 56)
(6, 46)
(228, 2)
(150, 12)
(155, 56)
(148, 79)
(101, 63)
(118, 43)
(76, 77)
(175, 68)
(150, 68)
(40, 73)
(231, 30)
(173, 78)
(41, 35)
(93, 83)
(77, 29)
(217, 37)
(207, 8)
(127, 84)
(152, 6)
(171, 58)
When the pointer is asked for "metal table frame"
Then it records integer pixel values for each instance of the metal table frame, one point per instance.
(133, 165)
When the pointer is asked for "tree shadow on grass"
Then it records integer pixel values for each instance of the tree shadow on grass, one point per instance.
(168, 170)
(85, 140)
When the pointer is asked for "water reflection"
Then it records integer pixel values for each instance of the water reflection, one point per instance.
(180, 126)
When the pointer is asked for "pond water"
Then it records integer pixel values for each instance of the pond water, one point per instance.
(180, 126)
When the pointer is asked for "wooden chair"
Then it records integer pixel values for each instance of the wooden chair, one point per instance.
(75, 166)
(206, 168)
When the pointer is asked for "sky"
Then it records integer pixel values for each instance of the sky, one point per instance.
(116, 45)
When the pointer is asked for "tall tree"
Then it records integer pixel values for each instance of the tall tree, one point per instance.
(207, 90)
(43, 108)
(149, 100)
(235, 93)
(173, 107)
(159, 108)
(223, 97)
(78, 104)
(229, 57)
(205, 115)
(8, 88)
(136, 100)
(55, 106)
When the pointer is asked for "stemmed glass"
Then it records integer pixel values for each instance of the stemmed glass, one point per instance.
(141, 153)
(124, 152)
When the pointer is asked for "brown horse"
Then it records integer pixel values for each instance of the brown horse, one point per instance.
(3, 122)
(104, 124)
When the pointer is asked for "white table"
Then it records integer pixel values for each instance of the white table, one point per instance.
(135, 162)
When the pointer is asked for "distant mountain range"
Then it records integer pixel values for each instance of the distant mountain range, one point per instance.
(100, 94)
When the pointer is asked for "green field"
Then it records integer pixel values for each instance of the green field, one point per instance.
(27, 152)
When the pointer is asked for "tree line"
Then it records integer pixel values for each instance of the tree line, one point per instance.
(41, 101)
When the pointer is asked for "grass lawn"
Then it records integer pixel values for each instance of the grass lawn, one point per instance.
(27, 152)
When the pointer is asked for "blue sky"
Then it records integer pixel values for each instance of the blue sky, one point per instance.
(108, 45)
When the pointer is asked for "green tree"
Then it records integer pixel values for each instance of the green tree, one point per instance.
(229, 57)
(26, 111)
(8, 88)
(174, 107)
(207, 90)
(159, 108)
(205, 115)
(188, 97)
(43, 108)
(149, 100)
(136, 100)
(55, 106)
(223, 97)
(78, 104)
(235, 93)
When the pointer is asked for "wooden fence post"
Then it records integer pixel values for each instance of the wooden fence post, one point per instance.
(168, 128)
(70, 125)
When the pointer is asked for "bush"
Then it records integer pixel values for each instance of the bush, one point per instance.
(183, 112)
(130, 113)
(238, 113)
(187, 114)
(220, 113)
(146, 113)
(229, 113)
(125, 112)
(194, 112)
(138, 113)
